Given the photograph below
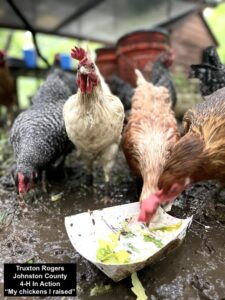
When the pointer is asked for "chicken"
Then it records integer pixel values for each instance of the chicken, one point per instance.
(121, 89)
(160, 74)
(7, 89)
(210, 56)
(199, 155)
(38, 135)
(93, 117)
(67, 77)
(149, 136)
(211, 72)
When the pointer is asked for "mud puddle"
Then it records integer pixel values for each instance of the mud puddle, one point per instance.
(194, 271)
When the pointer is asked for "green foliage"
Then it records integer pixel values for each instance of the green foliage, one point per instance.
(49, 46)
(215, 19)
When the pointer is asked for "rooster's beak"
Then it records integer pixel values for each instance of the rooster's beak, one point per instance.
(83, 70)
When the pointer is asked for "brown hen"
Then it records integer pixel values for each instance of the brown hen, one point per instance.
(150, 134)
(200, 153)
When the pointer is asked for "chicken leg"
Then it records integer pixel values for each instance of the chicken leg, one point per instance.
(89, 175)
(108, 157)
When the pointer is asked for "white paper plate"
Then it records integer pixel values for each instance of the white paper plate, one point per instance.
(86, 229)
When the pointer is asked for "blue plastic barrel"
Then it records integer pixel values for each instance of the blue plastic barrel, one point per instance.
(65, 61)
(30, 58)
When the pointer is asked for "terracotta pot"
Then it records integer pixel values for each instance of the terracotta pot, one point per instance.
(137, 49)
(106, 61)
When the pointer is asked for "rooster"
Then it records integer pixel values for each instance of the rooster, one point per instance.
(199, 155)
(7, 89)
(149, 136)
(93, 117)
(211, 72)
(38, 135)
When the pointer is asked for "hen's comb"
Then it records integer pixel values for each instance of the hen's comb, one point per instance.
(78, 53)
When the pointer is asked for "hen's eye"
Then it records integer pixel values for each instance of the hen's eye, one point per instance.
(173, 190)
(92, 66)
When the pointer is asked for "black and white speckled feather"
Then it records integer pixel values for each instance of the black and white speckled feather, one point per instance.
(38, 135)
(211, 72)
(68, 78)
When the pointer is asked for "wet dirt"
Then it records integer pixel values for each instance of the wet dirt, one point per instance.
(196, 270)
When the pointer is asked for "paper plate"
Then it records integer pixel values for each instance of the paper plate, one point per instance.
(86, 229)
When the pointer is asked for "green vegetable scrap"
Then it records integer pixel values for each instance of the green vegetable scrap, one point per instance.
(126, 231)
(106, 252)
(167, 228)
(133, 248)
(137, 288)
(127, 234)
(57, 197)
(148, 238)
(100, 289)
(30, 261)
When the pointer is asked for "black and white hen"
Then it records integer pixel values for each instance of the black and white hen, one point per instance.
(211, 72)
(38, 135)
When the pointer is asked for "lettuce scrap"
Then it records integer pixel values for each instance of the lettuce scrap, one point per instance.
(106, 252)
(167, 228)
(148, 238)
(137, 288)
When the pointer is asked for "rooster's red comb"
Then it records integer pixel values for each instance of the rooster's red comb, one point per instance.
(78, 53)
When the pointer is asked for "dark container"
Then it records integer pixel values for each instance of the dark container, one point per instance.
(139, 49)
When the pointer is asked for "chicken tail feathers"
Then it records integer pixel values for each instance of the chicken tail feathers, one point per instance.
(140, 78)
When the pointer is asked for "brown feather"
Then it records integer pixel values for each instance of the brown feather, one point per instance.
(200, 153)
(150, 134)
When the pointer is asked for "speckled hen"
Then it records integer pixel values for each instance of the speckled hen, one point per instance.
(38, 135)
(211, 72)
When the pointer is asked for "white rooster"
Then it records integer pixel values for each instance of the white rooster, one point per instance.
(93, 117)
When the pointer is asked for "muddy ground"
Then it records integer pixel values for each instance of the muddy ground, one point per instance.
(194, 271)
